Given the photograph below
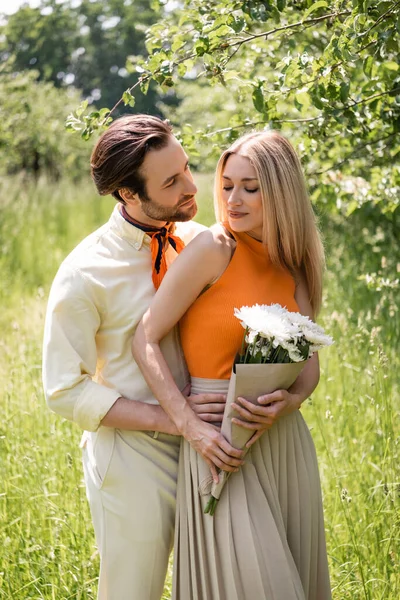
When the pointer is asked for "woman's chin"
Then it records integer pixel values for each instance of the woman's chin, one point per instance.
(238, 225)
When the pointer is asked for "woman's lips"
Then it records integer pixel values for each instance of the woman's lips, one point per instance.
(236, 215)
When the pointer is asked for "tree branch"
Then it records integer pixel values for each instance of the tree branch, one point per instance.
(241, 126)
(255, 123)
(356, 151)
(239, 43)
(267, 34)
(382, 17)
(370, 98)
(145, 78)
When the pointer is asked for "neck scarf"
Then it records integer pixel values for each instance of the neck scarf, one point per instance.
(160, 238)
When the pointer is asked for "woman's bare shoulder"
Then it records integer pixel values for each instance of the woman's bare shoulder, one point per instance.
(214, 241)
(222, 236)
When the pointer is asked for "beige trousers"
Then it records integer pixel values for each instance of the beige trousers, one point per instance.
(130, 481)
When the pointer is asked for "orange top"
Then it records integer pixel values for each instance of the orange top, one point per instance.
(210, 333)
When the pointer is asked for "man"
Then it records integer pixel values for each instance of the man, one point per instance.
(102, 289)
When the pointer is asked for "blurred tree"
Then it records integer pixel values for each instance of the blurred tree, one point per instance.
(42, 39)
(33, 139)
(84, 45)
(326, 73)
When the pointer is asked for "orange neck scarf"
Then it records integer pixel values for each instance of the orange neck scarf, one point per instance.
(160, 238)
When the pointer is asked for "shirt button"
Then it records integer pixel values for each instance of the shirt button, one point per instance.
(137, 246)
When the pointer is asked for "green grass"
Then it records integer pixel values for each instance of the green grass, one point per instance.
(47, 547)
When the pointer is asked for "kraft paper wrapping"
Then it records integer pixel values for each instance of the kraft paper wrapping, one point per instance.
(250, 381)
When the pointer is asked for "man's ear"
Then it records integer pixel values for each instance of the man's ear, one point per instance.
(128, 196)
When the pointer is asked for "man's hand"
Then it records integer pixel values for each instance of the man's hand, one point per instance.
(213, 447)
(261, 416)
(208, 407)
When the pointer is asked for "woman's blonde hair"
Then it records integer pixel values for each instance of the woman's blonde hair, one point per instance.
(289, 230)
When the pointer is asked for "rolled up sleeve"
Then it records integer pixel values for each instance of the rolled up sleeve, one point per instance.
(70, 354)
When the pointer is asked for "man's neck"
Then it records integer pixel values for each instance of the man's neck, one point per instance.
(137, 214)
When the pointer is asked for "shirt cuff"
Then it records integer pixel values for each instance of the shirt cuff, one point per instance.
(93, 404)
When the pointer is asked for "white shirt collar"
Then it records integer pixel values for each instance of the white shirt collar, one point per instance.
(127, 231)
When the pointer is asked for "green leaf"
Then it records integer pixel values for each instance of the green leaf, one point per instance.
(144, 85)
(367, 66)
(390, 65)
(281, 4)
(127, 98)
(228, 75)
(316, 100)
(73, 124)
(201, 46)
(351, 207)
(258, 99)
(222, 31)
(314, 6)
(237, 23)
(302, 98)
(344, 91)
(178, 42)
(182, 69)
(81, 108)
(86, 133)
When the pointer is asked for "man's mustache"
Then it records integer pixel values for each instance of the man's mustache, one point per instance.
(186, 199)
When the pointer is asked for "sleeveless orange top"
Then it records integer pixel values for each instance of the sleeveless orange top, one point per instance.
(210, 334)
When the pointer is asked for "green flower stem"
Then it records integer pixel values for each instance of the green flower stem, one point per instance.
(211, 506)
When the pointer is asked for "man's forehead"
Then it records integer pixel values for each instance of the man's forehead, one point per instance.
(159, 162)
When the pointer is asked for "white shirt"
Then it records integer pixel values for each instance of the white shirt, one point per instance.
(97, 299)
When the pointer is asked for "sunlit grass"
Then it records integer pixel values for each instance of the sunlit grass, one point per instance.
(47, 547)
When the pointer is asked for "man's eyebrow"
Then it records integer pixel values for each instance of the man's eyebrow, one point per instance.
(173, 176)
(244, 178)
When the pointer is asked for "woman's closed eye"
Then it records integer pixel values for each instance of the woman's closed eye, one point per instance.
(228, 188)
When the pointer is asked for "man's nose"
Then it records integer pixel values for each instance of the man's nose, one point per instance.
(190, 187)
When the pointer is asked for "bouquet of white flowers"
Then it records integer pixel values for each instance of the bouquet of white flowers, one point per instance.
(276, 345)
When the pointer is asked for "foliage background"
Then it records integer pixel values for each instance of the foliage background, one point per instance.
(327, 75)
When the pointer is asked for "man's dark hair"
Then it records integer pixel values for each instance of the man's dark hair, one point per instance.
(120, 151)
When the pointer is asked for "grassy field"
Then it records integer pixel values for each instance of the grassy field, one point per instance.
(47, 548)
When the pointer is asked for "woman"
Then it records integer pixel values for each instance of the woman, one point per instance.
(266, 539)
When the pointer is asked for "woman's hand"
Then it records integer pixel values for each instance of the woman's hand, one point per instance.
(272, 407)
(213, 447)
(260, 417)
(208, 407)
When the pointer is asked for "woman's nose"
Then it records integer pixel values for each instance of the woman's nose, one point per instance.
(234, 197)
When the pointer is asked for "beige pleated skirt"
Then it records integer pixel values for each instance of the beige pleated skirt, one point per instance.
(266, 539)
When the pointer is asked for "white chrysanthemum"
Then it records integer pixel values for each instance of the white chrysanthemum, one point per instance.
(317, 337)
(291, 331)
(249, 316)
(270, 321)
(250, 337)
(293, 351)
(274, 326)
(301, 320)
(313, 333)
(316, 347)
(276, 309)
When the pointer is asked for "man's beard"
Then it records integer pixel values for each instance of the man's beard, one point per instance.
(172, 213)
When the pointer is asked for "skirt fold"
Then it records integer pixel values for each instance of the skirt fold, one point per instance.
(266, 539)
